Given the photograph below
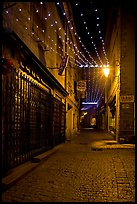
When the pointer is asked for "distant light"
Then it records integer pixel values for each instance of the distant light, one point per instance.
(89, 103)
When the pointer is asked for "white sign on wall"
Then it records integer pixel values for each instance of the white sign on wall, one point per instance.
(128, 98)
(81, 85)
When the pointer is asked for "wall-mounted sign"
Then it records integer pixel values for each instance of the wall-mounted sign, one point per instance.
(81, 85)
(128, 98)
(63, 64)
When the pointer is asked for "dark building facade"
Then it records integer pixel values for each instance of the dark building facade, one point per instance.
(35, 91)
(120, 89)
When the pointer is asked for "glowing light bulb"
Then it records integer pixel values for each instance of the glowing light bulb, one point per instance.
(106, 71)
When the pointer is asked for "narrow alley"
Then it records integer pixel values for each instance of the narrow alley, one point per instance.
(68, 101)
(92, 167)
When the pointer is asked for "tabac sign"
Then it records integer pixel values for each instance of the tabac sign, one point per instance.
(81, 85)
(128, 98)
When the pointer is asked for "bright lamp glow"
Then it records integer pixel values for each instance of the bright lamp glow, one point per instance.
(106, 71)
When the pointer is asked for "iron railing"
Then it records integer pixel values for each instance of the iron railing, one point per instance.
(33, 121)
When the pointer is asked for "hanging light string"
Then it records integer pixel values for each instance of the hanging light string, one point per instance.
(38, 38)
(88, 83)
(46, 18)
(96, 82)
(89, 87)
(70, 42)
(75, 33)
(95, 92)
(93, 82)
(100, 35)
(88, 32)
(19, 20)
(102, 93)
(85, 78)
(91, 37)
(98, 88)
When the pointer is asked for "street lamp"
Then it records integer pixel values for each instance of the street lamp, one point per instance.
(106, 70)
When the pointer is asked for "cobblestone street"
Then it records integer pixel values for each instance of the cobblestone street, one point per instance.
(91, 168)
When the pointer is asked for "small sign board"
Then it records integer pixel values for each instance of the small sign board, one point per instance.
(128, 98)
(63, 64)
(81, 85)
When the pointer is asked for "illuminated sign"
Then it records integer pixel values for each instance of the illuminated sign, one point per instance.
(81, 85)
(128, 98)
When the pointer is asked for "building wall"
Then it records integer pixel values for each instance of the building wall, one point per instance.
(43, 29)
(127, 77)
(121, 82)
(36, 111)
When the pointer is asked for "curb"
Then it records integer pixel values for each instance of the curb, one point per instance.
(19, 172)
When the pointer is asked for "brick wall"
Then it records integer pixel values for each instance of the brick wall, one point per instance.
(127, 74)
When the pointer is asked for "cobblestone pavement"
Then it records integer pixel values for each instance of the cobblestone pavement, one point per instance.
(81, 171)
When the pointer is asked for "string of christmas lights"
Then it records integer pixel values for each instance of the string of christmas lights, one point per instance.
(49, 37)
(88, 32)
(50, 47)
(74, 45)
(100, 35)
(76, 62)
(99, 32)
(88, 87)
(88, 92)
(92, 99)
(75, 33)
(98, 88)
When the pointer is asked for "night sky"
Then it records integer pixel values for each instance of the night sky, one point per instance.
(90, 16)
